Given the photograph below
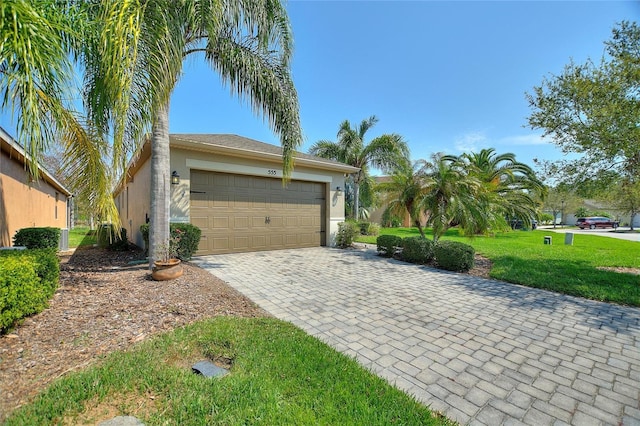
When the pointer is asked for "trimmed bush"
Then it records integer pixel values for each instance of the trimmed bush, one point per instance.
(417, 250)
(28, 279)
(186, 234)
(189, 238)
(454, 256)
(347, 232)
(387, 244)
(37, 238)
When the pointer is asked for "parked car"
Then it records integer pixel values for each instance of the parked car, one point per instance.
(518, 224)
(596, 222)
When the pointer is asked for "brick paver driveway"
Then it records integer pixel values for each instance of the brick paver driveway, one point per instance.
(480, 351)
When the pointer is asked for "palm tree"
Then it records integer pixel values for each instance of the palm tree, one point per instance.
(405, 190)
(384, 152)
(515, 184)
(37, 43)
(454, 197)
(136, 59)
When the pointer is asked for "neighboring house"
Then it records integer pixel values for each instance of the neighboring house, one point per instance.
(25, 202)
(231, 188)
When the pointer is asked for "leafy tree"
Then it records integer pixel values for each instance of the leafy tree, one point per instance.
(594, 110)
(626, 197)
(384, 152)
(582, 212)
(560, 200)
(135, 57)
(404, 192)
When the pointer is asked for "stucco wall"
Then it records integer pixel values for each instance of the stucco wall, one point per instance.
(133, 212)
(23, 205)
(134, 202)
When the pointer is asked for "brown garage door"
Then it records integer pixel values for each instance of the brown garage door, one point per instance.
(239, 213)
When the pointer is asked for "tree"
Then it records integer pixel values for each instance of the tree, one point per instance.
(405, 190)
(453, 197)
(594, 110)
(384, 152)
(514, 183)
(135, 59)
(38, 40)
(561, 199)
(626, 197)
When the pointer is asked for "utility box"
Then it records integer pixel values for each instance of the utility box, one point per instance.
(568, 238)
(547, 239)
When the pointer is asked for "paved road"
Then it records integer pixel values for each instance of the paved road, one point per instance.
(480, 351)
(621, 233)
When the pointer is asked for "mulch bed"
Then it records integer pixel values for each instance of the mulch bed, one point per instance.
(105, 304)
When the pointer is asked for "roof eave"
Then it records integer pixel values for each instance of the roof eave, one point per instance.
(258, 155)
(23, 157)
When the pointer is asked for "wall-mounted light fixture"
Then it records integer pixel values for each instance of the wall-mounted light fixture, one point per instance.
(338, 189)
(175, 178)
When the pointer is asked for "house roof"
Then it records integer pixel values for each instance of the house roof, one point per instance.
(16, 151)
(240, 146)
(232, 145)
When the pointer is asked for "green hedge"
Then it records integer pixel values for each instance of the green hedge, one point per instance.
(387, 244)
(454, 256)
(37, 238)
(28, 279)
(417, 250)
(188, 237)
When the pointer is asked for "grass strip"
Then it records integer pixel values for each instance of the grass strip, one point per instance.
(278, 376)
(521, 257)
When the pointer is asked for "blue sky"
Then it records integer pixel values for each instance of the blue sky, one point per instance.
(448, 76)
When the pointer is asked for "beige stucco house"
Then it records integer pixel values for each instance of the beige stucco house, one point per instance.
(25, 202)
(231, 188)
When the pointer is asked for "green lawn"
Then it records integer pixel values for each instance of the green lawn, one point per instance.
(81, 236)
(521, 257)
(279, 376)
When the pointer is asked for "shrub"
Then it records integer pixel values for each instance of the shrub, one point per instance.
(186, 235)
(454, 256)
(387, 244)
(347, 232)
(37, 238)
(417, 250)
(369, 228)
(390, 220)
(107, 237)
(189, 238)
(28, 279)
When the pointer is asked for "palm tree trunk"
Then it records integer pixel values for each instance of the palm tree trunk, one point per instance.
(160, 181)
(419, 225)
(356, 199)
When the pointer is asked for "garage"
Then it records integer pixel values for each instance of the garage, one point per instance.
(238, 213)
(231, 188)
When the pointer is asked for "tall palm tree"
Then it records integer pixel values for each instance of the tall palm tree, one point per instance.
(136, 59)
(38, 40)
(405, 190)
(384, 152)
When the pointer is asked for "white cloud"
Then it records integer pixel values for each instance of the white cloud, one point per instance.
(470, 142)
(524, 140)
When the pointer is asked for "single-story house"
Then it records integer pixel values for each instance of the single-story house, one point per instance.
(231, 188)
(25, 202)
